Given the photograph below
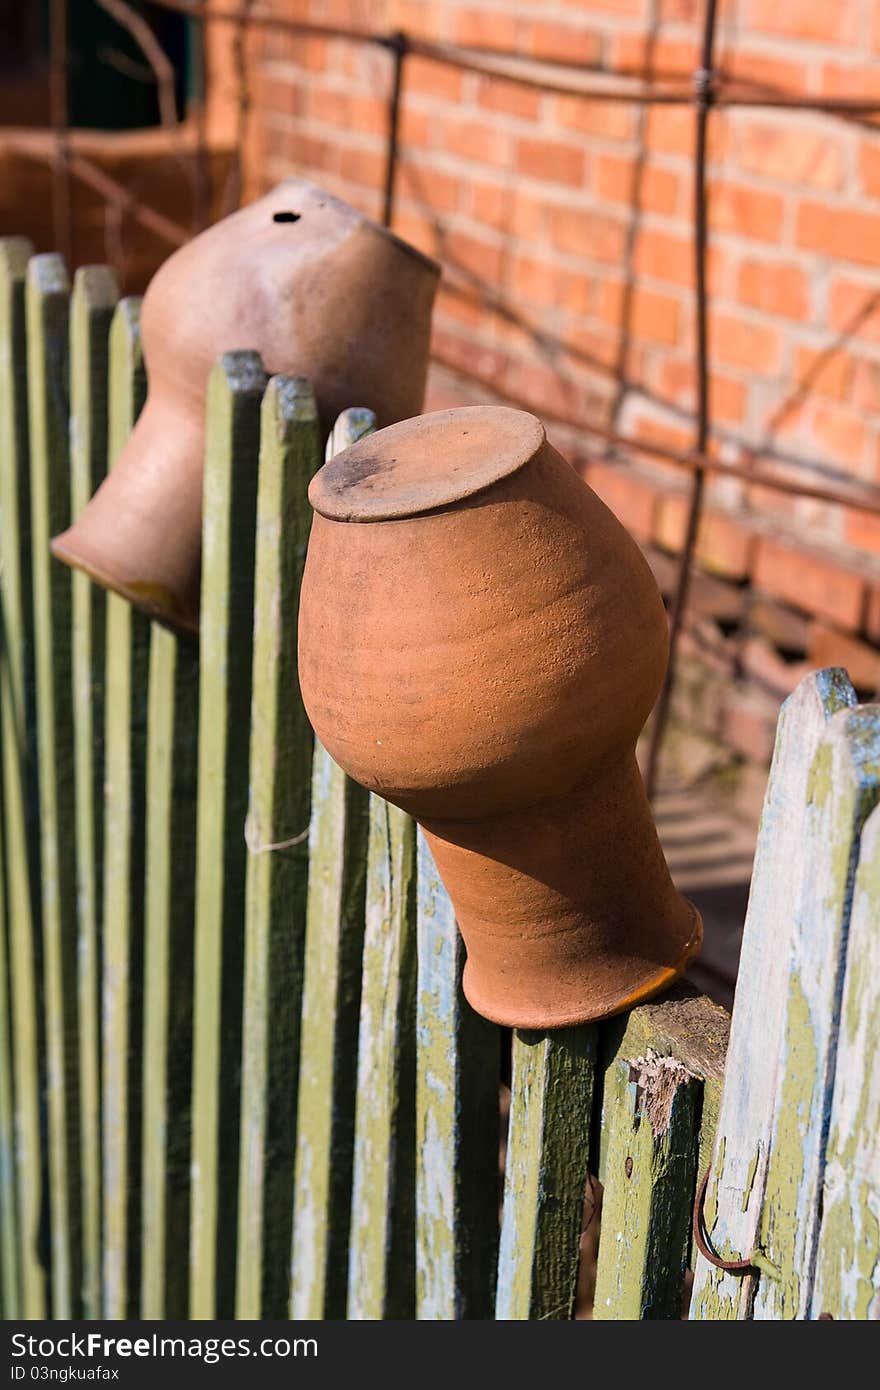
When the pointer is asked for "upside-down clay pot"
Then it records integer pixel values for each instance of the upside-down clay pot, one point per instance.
(481, 642)
(319, 291)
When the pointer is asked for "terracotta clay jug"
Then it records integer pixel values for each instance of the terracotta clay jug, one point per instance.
(481, 642)
(319, 291)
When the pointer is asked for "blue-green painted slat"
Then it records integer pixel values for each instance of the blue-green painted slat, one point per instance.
(48, 383)
(457, 1066)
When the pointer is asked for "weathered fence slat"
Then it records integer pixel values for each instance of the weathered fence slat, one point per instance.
(47, 358)
(551, 1099)
(381, 1273)
(755, 1061)
(169, 917)
(127, 657)
(95, 293)
(848, 1256)
(20, 797)
(457, 1066)
(328, 1055)
(277, 833)
(683, 1025)
(651, 1111)
(843, 788)
(235, 390)
(9, 1283)
(331, 1002)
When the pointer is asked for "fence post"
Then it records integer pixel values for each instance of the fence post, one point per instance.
(277, 833)
(21, 827)
(651, 1109)
(331, 1001)
(95, 293)
(47, 358)
(457, 1075)
(169, 918)
(551, 1100)
(381, 1269)
(848, 1255)
(235, 390)
(127, 652)
(783, 883)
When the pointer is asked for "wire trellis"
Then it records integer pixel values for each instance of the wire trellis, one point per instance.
(710, 88)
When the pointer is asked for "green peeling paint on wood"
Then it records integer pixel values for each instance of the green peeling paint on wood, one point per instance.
(382, 1248)
(848, 1257)
(786, 862)
(125, 713)
(235, 390)
(843, 788)
(683, 1025)
(95, 293)
(551, 1102)
(21, 826)
(169, 916)
(337, 852)
(278, 855)
(9, 1280)
(651, 1112)
(47, 359)
(457, 1063)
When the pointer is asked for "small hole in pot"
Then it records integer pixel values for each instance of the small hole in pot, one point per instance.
(286, 216)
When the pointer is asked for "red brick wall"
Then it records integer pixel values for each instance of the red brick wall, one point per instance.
(565, 230)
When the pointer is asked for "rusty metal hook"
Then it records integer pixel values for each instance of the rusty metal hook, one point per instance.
(701, 1240)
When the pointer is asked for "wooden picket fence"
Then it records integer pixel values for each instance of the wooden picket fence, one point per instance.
(238, 1077)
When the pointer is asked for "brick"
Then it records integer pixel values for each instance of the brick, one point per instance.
(850, 80)
(415, 127)
(571, 42)
(854, 309)
(869, 168)
(750, 726)
(738, 342)
(828, 647)
(786, 629)
(839, 231)
(872, 612)
(866, 387)
(769, 669)
(430, 188)
(664, 256)
(620, 179)
(477, 255)
(364, 167)
(862, 529)
(551, 160)
(640, 312)
(725, 545)
(656, 54)
(824, 371)
(430, 78)
(670, 130)
(749, 212)
(654, 316)
(632, 498)
(759, 68)
(477, 27)
(671, 520)
(841, 434)
(612, 120)
(478, 141)
(790, 153)
(810, 581)
(497, 95)
(586, 233)
(836, 23)
(775, 288)
(542, 282)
